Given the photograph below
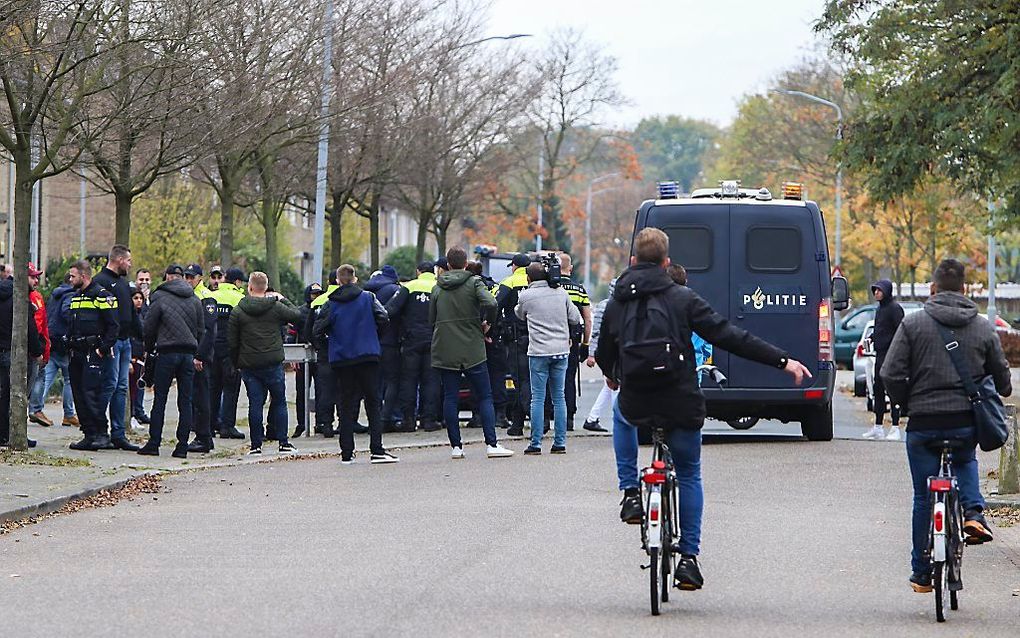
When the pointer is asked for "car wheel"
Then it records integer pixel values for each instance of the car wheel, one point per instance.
(743, 423)
(816, 425)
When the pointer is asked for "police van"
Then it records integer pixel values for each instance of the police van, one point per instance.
(763, 263)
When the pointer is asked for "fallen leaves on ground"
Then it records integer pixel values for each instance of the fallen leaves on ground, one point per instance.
(1005, 516)
(149, 484)
(38, 457)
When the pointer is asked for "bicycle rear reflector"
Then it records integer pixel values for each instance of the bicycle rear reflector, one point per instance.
(940, 484)
(654, 478)
(938, 520)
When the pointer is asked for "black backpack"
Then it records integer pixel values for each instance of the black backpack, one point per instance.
(650, 354)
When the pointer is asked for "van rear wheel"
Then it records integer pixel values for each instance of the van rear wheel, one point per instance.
(816, 425)
(743, 423)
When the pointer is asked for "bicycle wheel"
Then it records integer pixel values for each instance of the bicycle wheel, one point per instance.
(653, 576)
(940, 581)
(667, 542)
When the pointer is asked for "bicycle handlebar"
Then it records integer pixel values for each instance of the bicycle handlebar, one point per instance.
(714, 372)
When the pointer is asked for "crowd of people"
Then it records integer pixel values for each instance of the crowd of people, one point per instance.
(406, 348)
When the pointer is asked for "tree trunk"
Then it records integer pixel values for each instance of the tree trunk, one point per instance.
(122, 217)
(20, 317)
(270, 222)
(373, 229)
(336, 231)
(423, 229)
(227, 225)
(441, 234)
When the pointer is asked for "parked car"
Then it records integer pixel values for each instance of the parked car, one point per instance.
(863, 355)
(851, 327)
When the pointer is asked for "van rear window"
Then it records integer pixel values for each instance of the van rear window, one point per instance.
(690, 246)
(773, 249)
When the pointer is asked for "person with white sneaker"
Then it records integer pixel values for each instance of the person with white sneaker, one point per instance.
(458, 348)
(888, 318)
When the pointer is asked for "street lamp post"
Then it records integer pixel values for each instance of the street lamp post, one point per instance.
(587, 226)
(839, 166)
(323, 149)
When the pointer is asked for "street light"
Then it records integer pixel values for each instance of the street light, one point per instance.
(323, 149)
(839, 166)
(587, 226)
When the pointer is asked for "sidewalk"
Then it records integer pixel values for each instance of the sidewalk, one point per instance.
(43, 479)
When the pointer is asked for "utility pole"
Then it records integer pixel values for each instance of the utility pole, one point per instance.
(538, 230)
(81, 216)
(587, 226)
(839, 167)
(992, 250)
(323, 153)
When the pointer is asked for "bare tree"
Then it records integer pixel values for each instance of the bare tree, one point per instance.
(579, 85)
(256, 62)
(54, 63)
(155, 131)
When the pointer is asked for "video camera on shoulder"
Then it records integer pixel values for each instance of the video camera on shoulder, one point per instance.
(551, 262)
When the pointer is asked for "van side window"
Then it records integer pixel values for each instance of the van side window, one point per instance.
(773, 249)
(690, 246)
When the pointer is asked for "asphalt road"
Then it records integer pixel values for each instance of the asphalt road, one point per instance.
(800, 538)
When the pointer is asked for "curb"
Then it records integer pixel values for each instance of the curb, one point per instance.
(52, 505)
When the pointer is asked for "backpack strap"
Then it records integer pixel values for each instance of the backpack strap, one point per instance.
(953, 348)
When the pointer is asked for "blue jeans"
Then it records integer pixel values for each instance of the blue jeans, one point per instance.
(58, 361)
(543, 371)
(685, 446)
(258, 383)
(478, 379)
(924, 463)
(115, 386)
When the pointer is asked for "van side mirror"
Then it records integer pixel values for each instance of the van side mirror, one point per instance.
(840, 294)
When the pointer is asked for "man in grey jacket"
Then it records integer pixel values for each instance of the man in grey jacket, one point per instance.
(550, 313)
(174, 326)
(919, 375)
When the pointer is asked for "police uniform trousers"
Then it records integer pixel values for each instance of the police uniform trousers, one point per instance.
(495, 361)
(225, 387)
(419, 384)
(201, 402)
(517, 362)
(87, 379)
(326, 404)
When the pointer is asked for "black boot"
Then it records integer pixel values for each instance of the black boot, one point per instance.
(201, 447)
(124, 444)
(180, 452)
(231, 433)
(298, 431)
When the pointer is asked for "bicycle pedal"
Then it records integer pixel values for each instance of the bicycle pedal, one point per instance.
(646, 566)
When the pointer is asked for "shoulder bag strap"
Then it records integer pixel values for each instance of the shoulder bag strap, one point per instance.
(953, 348)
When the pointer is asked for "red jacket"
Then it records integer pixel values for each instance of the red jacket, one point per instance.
(36, 298)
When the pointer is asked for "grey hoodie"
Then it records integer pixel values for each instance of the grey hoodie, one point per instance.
(919, 374)
(549, 313)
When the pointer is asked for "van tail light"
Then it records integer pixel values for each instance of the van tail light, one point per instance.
(825, 330)
(860, 350)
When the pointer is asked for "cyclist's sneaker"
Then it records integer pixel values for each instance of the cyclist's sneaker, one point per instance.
(894, 434)
(976, 527)
(876, 432)
(688, 575)
(921, 583)
(631, 510)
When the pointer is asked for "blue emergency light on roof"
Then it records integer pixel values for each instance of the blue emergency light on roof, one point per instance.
(669, 190)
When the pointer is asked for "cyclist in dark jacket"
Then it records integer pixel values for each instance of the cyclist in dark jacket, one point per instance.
(679, 406)
(920, 376)
(887, 320)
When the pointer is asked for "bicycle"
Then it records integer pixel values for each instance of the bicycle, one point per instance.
(946, 536)
(660, 524)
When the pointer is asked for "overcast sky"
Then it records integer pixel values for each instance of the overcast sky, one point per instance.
(688, 57)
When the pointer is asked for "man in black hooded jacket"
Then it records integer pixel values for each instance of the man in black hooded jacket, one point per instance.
(35, 350)
(888, 318)
(675, 403)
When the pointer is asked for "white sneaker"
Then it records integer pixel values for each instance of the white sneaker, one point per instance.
(894, 434)
(875, 433)
(498, 452)
(457, 453)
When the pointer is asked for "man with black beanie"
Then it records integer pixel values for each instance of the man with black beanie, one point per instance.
(888, 318)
